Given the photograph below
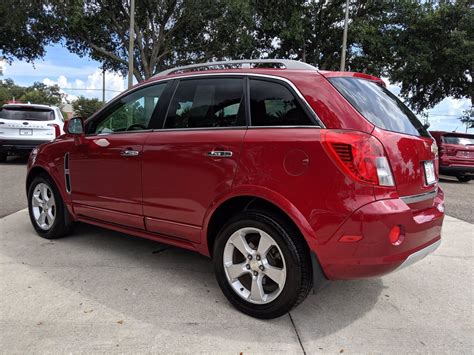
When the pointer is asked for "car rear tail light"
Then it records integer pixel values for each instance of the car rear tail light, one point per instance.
(359, 155)
(57, 130)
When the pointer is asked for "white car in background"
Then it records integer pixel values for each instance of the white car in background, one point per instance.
(25, 126)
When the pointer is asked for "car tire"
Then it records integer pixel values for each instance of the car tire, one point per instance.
(3, 157)
(463, 178)
(47, 211)
(285, 257)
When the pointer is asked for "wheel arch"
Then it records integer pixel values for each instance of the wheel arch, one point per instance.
(265, 200)
(38, 170)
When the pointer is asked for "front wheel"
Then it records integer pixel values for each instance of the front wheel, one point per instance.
(463, 178)
(46, 209)
(262, 264)
(3, 157)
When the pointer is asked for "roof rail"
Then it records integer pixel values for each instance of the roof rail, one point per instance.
(231, 64)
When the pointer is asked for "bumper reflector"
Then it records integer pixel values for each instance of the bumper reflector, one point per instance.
(395, 236)
(350, 238)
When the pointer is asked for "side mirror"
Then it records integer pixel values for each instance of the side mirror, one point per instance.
(74, 126)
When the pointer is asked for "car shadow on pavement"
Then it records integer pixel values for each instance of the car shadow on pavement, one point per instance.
(171, 288)
(16, 160)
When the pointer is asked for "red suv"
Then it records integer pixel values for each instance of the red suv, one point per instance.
(285, 175)
(456, 154)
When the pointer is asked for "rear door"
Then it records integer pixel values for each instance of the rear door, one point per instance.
(27, 123)
(411, 150)
(192, 159)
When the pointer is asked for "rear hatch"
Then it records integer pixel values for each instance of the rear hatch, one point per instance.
(19, 122)
(459, 148)
(410, 149)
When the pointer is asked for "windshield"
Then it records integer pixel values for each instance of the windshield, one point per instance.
(458, 140)
(379, 106)
(27, 114)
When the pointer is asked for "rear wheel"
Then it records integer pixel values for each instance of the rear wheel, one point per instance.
(3, 157)
(262, 264)
(46, 209)
(463, 178)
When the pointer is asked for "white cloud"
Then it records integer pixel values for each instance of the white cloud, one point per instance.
(91, 87)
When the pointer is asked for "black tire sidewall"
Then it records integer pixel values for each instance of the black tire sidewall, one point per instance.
(58, 228)
(288, 297)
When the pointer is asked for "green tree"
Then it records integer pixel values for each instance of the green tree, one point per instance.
(167, 33)
(9, 91)
(433, 52)
(85, 107)
(38, 93)
(26, 27)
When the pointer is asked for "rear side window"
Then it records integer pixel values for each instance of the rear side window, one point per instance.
(27, 114)
(379, 106)
(273, 104)
(458, 140)
(200, 103)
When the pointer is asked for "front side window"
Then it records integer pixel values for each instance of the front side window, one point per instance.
(131, 113)
(212, 102)
(273, 104)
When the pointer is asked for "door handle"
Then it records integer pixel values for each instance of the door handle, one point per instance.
(219, 154)
(129, 153)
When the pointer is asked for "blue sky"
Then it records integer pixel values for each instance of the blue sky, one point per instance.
(83, 76)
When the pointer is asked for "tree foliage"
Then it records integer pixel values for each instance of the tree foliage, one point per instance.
(425, 46)
(85, 107)
(433, 53)
(26, 27)
(38, 93)
(167, 32)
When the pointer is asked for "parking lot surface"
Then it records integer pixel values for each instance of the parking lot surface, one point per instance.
(101, 291)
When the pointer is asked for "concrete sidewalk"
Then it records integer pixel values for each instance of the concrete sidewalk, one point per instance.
(101, 291)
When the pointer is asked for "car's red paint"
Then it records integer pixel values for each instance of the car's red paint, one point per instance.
(170, 192)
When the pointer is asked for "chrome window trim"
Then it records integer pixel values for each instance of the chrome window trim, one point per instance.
(319, 124)
(420, 197)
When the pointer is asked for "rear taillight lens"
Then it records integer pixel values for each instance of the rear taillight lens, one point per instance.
(359, 155)
(57, 129)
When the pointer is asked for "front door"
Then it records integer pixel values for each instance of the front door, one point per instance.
(105, 169)
(193, 159)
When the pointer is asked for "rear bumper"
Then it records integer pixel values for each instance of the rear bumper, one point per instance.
(17, 145)
(456, 170)
(374, 255)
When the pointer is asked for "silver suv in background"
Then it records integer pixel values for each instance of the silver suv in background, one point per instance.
(25, 126)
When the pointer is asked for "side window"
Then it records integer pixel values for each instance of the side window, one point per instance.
(133, 112)
(272, 104)
(214, 102)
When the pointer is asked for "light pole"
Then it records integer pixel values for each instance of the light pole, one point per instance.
(344, 38)
(130, 44)
(103, 84)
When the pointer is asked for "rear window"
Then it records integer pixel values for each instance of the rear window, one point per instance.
(27, 114)
(379, 106)
(458, 140)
